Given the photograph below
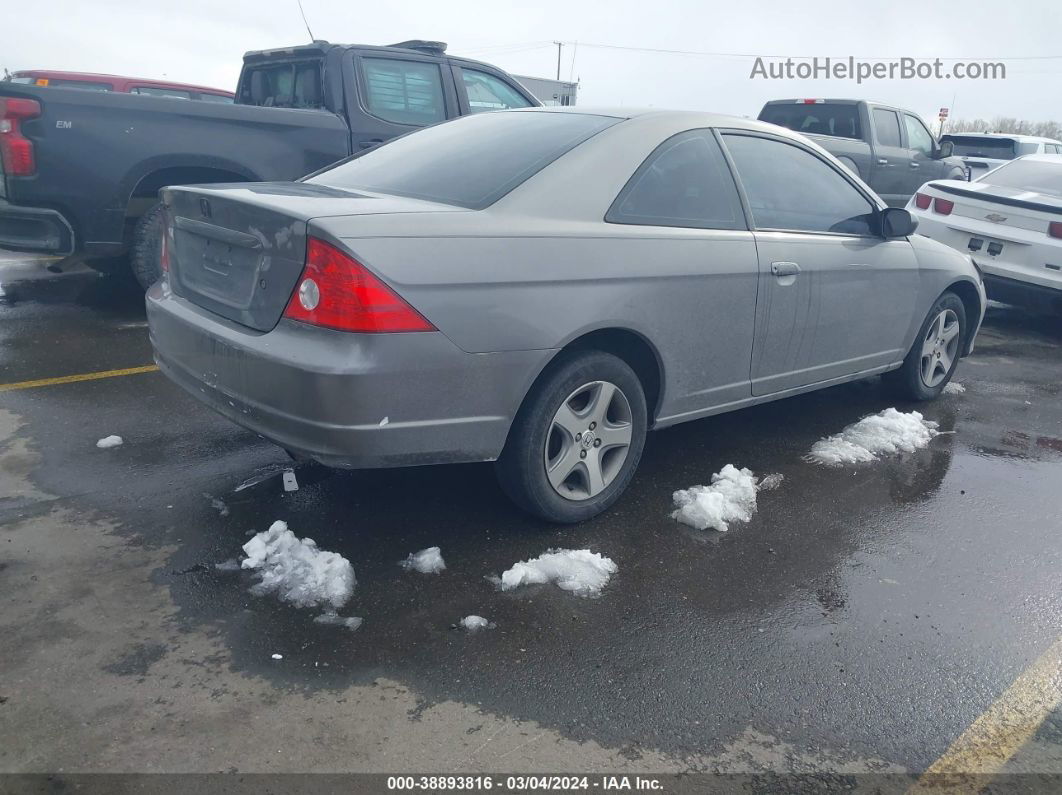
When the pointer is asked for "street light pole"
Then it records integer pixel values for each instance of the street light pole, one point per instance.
(559, 44)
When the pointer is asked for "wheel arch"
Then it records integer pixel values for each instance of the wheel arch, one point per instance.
(971, 302)
(625, 344)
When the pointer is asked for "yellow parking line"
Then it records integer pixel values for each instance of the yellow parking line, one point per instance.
(1000, 732)
(70, 379)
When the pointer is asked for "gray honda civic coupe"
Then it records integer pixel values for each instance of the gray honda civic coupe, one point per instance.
(542, 287)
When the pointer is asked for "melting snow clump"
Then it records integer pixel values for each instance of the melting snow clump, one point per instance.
(473, 623)
(954, 388)
(229, 565)
(333, 620)
(296, 570)
(770, 482)
(427, 561)
(580, 571)
(109, 441)
(278, 656)
(885, 433)
(731, 497)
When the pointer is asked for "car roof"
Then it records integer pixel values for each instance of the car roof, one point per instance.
(1042, 158)
(691, 119)
(1011, 136)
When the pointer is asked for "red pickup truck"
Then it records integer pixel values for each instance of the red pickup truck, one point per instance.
(119, 84)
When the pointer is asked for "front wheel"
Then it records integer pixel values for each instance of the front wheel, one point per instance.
(146, 255)
(576, 442)
(933, 357)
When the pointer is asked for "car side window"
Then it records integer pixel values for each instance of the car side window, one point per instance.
(887, 127)
(918, 136)
(684, 182)
(487, 92)
(154, 91)
(404, 92)
(789, 188)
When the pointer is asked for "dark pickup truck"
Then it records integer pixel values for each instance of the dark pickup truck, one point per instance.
(890, 149)
(81, 170)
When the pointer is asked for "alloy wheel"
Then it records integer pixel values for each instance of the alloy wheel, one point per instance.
(939, 348)
(588, 440)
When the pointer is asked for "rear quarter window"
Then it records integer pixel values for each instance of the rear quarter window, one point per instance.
(470, 162)
(404, 92)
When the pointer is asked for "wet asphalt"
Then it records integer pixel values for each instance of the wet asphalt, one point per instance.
(865, 613)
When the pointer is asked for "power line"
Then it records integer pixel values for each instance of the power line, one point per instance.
(712, 54)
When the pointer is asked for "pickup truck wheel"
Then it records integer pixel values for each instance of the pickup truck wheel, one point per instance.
(577, 439)
(147, 247)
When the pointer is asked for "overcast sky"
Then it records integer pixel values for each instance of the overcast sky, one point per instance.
(202, 41)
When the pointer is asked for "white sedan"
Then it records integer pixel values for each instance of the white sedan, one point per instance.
(1010, 221)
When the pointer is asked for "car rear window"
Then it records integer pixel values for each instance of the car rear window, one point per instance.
(976, 146)
(1032, 175)
(821, 118)
(469, 162)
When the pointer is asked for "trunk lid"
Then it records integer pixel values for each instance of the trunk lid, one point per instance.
(1014, 207)
(238, 250)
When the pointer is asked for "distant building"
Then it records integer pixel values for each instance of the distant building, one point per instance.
(550, 92)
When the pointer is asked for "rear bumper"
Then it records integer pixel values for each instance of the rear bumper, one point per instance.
(1011, 291)
(347, 400)
(36, 229)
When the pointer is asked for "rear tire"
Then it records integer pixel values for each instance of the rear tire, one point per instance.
(934, 355)
(577, 439)
(145, 258)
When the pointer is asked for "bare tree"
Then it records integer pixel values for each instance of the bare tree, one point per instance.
(1006, 124)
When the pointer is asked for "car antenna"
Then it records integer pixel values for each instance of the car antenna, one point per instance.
(304, 22)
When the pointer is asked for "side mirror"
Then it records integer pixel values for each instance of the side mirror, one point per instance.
(897, 222)
(945, 149)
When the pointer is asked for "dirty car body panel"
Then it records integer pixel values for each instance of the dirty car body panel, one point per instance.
(509, 280)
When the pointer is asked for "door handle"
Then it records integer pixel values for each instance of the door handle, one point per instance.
(785, 268)
(370, 144)
(882, 161)
(914, 164)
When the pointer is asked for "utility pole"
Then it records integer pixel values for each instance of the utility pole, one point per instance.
(559, 44)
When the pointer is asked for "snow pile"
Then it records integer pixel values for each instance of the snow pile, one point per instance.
(474, 623)
(109, 441)
(427, 561)
(885, 433)
(580, 571)
(296, 570)
(731, 497)
(770, 482)
(333, 620)
(954, 388)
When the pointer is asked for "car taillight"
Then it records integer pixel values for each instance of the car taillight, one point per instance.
(943, 206)
(336, 291)
(922, 201)
(1054, 229)
(16, 150)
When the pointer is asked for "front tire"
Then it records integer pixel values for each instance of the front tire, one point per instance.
(577, 439)
(146, 256)
(931, 362)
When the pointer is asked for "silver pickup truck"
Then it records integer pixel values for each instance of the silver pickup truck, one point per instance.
(891, 149)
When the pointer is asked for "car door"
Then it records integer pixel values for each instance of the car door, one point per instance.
(923, 167)
(681, 212)
(479, 90)
(835, 298)
(891, 160)
(397, 93)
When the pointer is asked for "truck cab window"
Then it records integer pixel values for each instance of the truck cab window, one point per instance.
(918, 136)
(284, 85)
(487, 92)
(404, 92)
(887, 127)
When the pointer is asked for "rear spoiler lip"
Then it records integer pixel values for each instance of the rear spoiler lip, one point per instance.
(991, 197)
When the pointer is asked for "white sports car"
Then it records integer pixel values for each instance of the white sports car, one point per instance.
(1010, 221)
